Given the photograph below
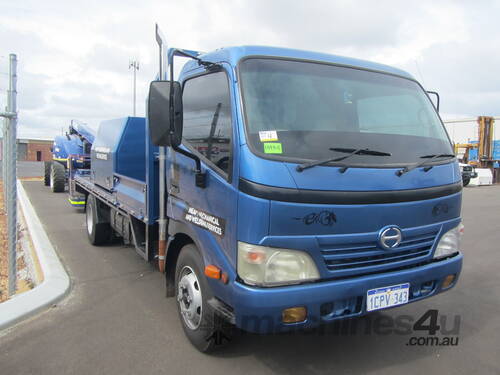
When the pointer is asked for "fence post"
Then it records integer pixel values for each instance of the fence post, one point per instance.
(9, 173)
(4, 155)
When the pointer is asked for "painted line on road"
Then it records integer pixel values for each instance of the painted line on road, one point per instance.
(56, 282)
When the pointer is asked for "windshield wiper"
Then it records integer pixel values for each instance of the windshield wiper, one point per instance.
(363, 151)
(350, 151)
(430, 158)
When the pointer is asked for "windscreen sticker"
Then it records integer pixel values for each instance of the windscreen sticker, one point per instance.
(206, 221)
(273, 148)
(268, 135)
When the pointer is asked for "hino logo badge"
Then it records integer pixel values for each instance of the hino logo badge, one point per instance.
(390, 237)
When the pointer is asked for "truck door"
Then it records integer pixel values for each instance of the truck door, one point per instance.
(208, 132)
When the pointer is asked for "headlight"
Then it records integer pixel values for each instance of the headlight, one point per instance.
(269, 266)
(450, 242)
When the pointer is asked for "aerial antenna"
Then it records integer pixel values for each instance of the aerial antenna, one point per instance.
(419, 72)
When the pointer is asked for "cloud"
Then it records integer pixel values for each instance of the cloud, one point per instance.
(109, 58)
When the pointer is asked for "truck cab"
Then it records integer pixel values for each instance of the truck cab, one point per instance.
(280, 189)
(330, 189)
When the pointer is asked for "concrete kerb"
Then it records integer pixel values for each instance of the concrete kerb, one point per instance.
(56, 282)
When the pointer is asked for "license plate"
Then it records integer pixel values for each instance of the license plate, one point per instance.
(388, 296)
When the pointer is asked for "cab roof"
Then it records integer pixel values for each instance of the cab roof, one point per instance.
(233, 55)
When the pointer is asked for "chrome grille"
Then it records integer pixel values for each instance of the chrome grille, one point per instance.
(363, 255)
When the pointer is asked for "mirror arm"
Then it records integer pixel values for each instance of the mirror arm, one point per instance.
(206, 64)
(200, 177)
(437, 97)
(189, 155)
(171, 97)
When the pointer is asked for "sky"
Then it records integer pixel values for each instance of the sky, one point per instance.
(74, 55)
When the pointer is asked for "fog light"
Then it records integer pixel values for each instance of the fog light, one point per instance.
(294, 315)
(448, 281)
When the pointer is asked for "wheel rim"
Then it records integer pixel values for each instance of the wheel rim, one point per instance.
(90, 219)
(189, 298)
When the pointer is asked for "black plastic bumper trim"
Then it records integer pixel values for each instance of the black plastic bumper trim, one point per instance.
(345, 197)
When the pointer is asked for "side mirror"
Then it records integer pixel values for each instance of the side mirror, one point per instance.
(162, 130)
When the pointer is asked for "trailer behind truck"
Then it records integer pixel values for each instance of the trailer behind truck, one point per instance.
(280, 189)
(69, 150)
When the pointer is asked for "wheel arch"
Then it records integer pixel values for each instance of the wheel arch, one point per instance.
(175, 244)
(181, 234)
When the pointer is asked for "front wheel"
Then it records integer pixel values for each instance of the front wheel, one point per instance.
(465, 181)
(202, 326)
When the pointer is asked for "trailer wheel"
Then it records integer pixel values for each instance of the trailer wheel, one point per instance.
(99, 233)
(46, 172)
(202, 326)
(465, 181)
(57, 178)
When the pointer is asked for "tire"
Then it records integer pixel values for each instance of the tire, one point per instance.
(57, 178)
(47, 165)
(204, 328)
(465, 181)
(99, 233)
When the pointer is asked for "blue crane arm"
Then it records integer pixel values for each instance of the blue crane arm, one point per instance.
(83, 132)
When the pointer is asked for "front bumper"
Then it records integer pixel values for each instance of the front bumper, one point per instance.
(260, 309)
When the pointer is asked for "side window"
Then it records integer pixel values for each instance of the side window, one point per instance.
(207, 117)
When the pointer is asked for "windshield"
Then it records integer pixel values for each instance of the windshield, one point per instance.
(299, 111)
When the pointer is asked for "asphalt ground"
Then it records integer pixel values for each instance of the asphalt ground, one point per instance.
(117, 320)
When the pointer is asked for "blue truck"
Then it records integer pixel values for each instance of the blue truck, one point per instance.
(71, 149)
(280, 189)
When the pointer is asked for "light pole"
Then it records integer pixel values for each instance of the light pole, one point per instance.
(134, 64)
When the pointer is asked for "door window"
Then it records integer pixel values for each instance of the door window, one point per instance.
(207, 118)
